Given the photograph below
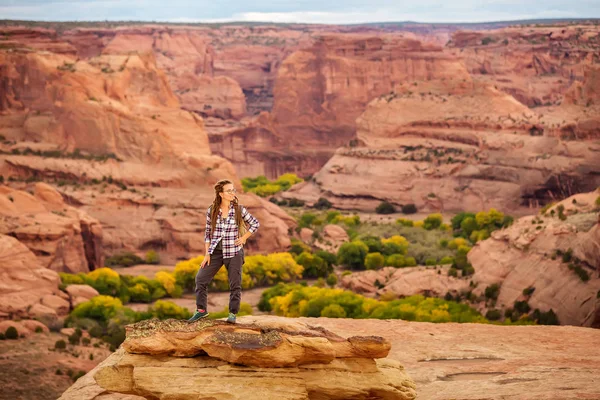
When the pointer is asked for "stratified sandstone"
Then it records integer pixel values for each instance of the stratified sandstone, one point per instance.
(528, 254)
(25, 282)
(64, 238)
(277, 358)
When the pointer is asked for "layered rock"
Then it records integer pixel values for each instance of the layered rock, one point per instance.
(320, 91)
(536, 64)
(404, 282)
(109, 123)
(26, 284)
(456, 146)
(273, 356)
(64, 238)
(529, 254)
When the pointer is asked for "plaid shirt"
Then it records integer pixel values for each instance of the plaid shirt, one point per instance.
(227, 230)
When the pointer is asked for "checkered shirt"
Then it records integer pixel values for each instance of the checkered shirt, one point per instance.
(227, 230)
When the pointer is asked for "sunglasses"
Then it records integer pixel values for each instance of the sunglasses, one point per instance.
(230, 191)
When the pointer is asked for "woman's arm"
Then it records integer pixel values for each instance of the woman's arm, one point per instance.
(251, 221)
(207, 230)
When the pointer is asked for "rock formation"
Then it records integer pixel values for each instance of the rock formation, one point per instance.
(559, 259)
(64, 238)
(275, 357)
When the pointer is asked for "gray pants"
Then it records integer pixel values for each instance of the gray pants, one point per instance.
(234, 271)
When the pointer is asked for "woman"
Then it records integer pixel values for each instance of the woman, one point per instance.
(224, 240)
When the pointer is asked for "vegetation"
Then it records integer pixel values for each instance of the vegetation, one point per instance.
(11, 333)
(385, 208)
(264, 187)
(297, 301)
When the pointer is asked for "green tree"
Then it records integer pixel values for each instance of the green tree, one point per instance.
(374, 261)
(352, 254)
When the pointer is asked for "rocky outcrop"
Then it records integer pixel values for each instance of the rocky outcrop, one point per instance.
(460, 146)
(276, 357)
(110, 133)
(558, 258)
(320, 91)
(26, 283)
(64, 238)
(403, 282)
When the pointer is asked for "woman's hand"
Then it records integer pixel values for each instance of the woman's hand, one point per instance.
(241, 241)
(206, 261)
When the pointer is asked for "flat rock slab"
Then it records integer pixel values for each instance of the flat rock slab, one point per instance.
(269, 343)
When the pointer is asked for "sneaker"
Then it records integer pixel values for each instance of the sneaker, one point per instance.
(199, 314)
(231, 318)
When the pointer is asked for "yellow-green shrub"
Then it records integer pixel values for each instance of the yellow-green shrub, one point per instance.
(186, 271)
(100, 308)
(164, 309)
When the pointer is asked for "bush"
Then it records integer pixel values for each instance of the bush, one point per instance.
(281, 289)
(528, 291)
(60, 344)
(433, 221)
(333, 311)
(322, 204)
(545, 318)
(446, 260)
(352, 254)
(152, 257)
(492, 291)
(329, 258)
(11, 333)
(163, 309)
(385, 208)
(486, 40)
(298, 247)
(124, 259)
(332, 279)
(373, 243)
(315, 302)
(100, 308)
(522, 307)
(105, 281)
(493, 314)
(374, 261)
(396, 261)
(405, 222)
(314, 266)
(409, 209)
(431, 261)
(453, 272)
(395, 245)
(293, 202)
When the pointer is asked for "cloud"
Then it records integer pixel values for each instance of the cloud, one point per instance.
(300, 11)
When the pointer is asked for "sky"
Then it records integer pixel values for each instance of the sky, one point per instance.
(299, 11)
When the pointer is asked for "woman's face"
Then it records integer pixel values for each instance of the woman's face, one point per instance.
(228, 192)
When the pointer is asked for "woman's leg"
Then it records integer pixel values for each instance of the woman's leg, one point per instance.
(205, 276)
(234, 273)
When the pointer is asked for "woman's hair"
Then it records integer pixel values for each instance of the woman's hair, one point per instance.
(216, 205)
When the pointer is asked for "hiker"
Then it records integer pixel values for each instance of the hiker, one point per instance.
(224, 238)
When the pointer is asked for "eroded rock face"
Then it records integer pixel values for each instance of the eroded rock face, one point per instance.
(26, 283)
(279, 359)
(460, 146)
(525, 256)
(62, 237)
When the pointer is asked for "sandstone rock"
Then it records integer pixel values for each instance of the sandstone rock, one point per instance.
(63, 238)
(34, 325)
(524, 255)
(67, 331)
(24, 281)
(404, 282)
(335, 233)
(80, 293)
(333, 367)
(21, 329)
(278, 346)
(306, 235)
(43, 312)
(455, 148)
(58, 304)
